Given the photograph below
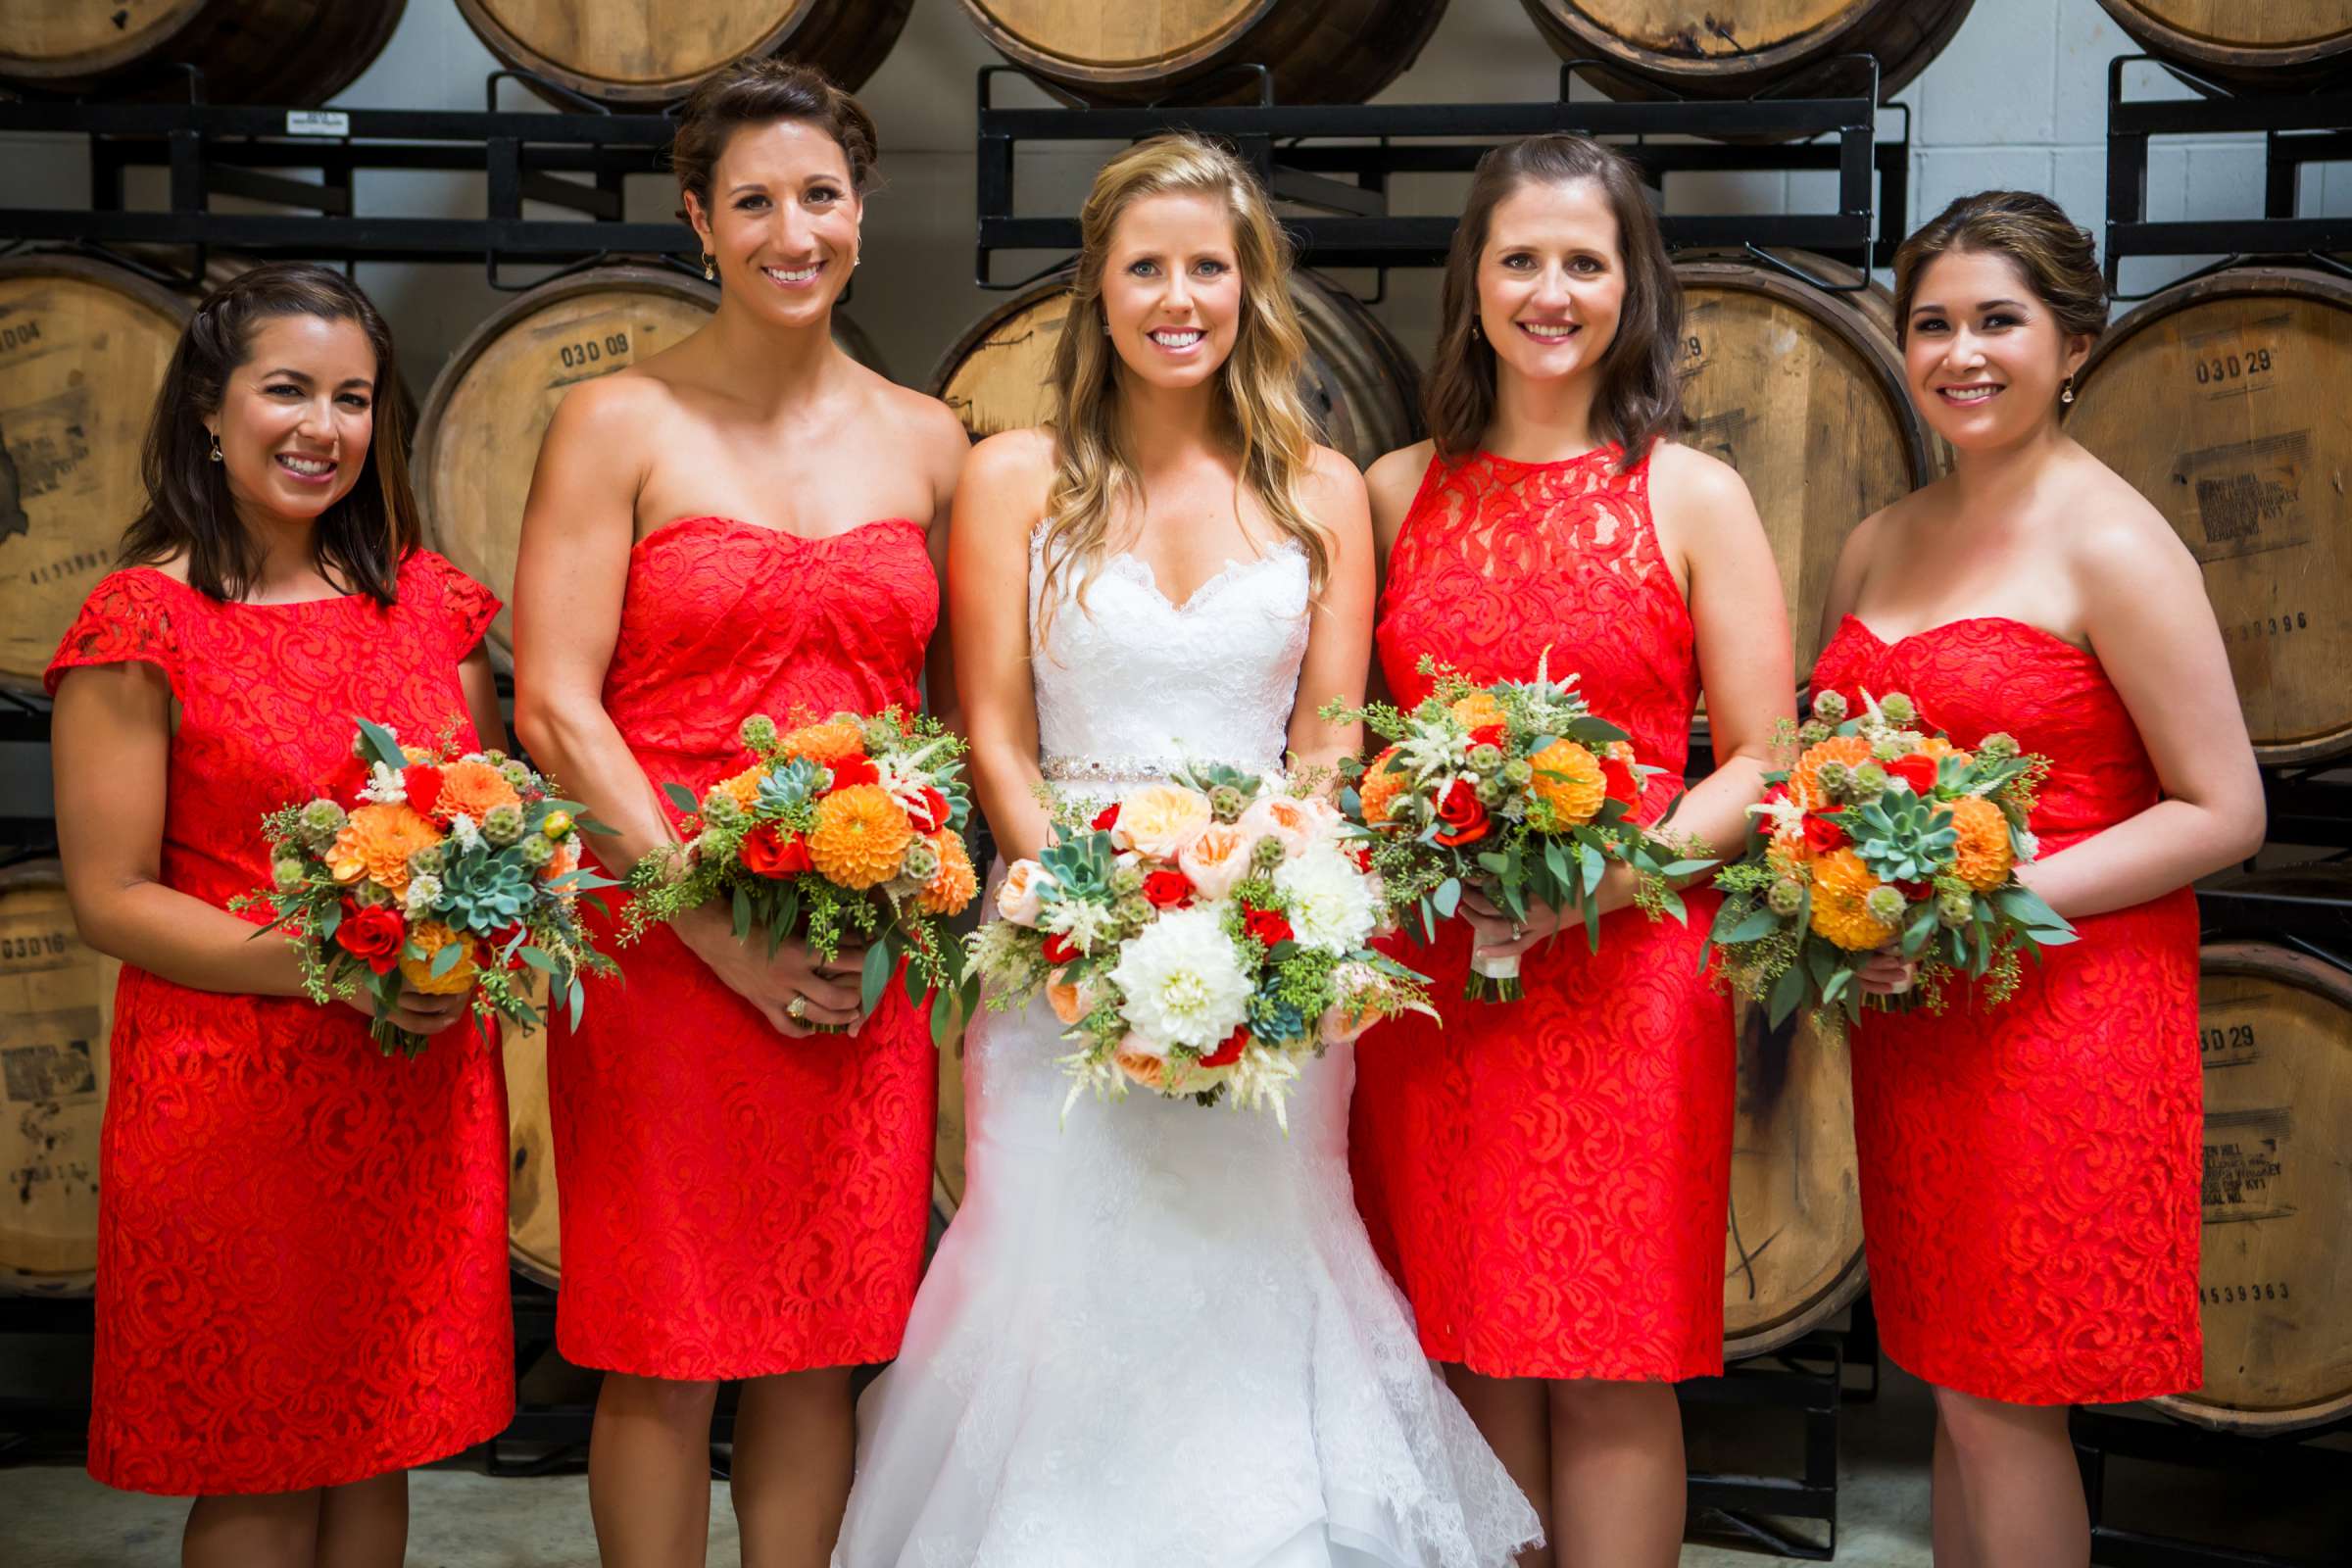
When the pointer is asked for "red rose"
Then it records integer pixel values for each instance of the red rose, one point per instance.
(1266, 925)
(1917, 771)
(1823, 835)
(423, 781)
(1465, 817)
(1106, 818)
(1496, 735)
(1776, 795)
(1226, 1054)
(1168, 888)
(373, 935)
(1618, 781)
(854, 770)
(767, 851)
(1363, 856)
(344, 784)
(932, 814)
(1913, 892)
(1058, 948)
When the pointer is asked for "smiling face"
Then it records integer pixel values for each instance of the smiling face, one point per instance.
(297, 415)
(1172, 288)
(782, 222)
(1552, 278)
(1984, 357)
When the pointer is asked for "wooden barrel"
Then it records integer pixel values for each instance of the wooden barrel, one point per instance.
(82, 349)
(1359, 384)
(2223, 402)
(2275, 1032)
(57, 1008)
(478, 437)
(1195, 51)
(531, 1232)
(643, 56)
(1801, 390)
(1794, 1255)
(250, 51)
(1738, 48)
(2278, 44)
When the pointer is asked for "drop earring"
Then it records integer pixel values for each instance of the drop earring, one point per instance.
(2068, 395)
(215, 449)
(709, 268)
(1474, 334)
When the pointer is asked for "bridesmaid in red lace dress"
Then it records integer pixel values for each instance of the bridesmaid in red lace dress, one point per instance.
(745, 522)
(2030, 1170)
(302, 1271)
(1550, 1180)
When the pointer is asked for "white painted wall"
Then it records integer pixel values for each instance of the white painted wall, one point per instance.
(2018, 99)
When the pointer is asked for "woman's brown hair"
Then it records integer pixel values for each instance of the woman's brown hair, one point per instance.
(2058, 260)
(361, 539)
(760, 91)
(1640, 395)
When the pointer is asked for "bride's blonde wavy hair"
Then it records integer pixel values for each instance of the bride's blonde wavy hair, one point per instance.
(1258, 386)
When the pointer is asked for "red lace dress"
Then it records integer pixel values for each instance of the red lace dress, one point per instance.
(302, 1243)
(735, 1201)
(1549, 1179)
(2031, 1170)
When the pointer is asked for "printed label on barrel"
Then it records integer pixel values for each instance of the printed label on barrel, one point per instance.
(37, 941)
(2248, 495)
(47, 1057)
(2237, 360)
(2245, 1154)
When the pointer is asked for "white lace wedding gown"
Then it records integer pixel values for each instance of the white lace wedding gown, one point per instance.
(1156, 1334)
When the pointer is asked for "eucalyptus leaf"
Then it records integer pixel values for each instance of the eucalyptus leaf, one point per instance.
(1447, 898)
(876, 976)
(682, 798)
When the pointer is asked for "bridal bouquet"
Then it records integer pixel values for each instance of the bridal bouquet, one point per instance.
(1202, 938)
(1882, 835)
(849, 827)
(453, 873)
(1516, 789)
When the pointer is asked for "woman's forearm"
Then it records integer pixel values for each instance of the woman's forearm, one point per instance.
(1004, 781)
(1715, 811)
(187, 941)
(577, 744)
(2168, 845)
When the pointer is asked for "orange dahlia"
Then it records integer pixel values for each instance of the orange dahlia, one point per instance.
(1982, 856)
(1576, 797)
(744, 788)
(860, 835)
(376, 842)
(1804, 779)
(1479, 707)
(952, 885)
(1840, 884)
(432, 936)
(472, 789)
(1380, 787)
(825, 744)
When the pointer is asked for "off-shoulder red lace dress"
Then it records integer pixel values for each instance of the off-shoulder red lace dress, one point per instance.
(1549, 1179)
(2031, 1170)
(734, 1202)
(302, 1243)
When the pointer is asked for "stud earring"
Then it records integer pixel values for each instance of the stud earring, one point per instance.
(709, 268)
(1474, 334)
(2068, 395)
(215, 449)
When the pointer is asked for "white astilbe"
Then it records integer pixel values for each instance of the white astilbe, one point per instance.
(385, 786)
(1182, 982)
(463, 833)
(424, 891)
(1264, 1077)
(1080, 921)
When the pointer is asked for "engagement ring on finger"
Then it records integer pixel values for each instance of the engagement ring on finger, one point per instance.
(797, 1009)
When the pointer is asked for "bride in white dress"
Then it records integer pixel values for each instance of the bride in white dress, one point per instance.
(1156, 1334)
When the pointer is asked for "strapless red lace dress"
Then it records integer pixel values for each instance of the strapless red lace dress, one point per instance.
(2031, 1170)
(734, 1202)
(1549, 1179)
(302, 1242)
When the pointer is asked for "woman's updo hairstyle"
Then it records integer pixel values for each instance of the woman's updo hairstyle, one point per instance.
(2058, 260)
(760, 92)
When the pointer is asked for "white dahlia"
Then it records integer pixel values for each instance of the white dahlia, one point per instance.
(1183, 983)
(1334, 906)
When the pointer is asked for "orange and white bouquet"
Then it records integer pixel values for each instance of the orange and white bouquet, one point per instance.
(455, 873)
(1880, 835)
(1200, 938)
(845, 827)
(1517, 789)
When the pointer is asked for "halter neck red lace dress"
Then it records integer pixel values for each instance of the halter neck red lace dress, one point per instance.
(735, 1201)
(1549, 1179)
(2031, 1170)
(302, 1242)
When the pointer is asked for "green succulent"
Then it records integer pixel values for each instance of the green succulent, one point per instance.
(1900, 837)
(1273, 1018)
(1081, 870)
(484, 893)
(790, 785)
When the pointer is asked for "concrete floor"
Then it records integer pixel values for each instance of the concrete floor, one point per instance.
(54, 1516)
